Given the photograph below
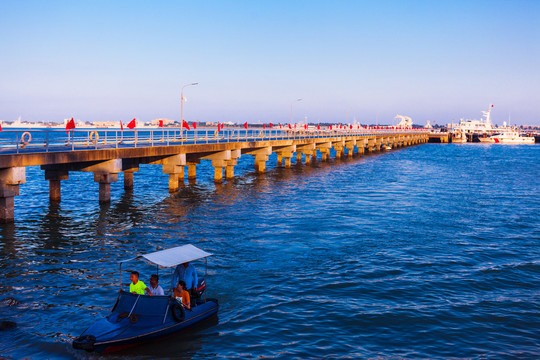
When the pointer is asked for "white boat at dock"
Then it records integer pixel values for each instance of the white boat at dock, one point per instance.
(510, 136)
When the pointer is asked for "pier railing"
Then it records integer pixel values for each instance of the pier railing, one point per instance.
(49, 140)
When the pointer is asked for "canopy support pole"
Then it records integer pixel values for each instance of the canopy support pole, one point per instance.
(133, 308)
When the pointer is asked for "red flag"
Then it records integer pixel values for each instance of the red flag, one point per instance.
(271, 125)
(295, 126)
(330, 127)
(305, 126)
(160, 123)
(318, 126)
(280, 126)
(264, 126)
(350, 128)
(185, 125)
(194, 125)
(218, 127)
(491, 105)
(132, 124)
(121, 126)
(222, 126)
(70, 125)
(0, 126)
(290, 127)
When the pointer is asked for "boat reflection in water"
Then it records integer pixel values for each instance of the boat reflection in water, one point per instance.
(137, 319)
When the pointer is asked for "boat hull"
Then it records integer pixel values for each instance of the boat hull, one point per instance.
(148, 319)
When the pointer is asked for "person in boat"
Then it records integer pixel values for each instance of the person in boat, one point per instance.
(136, 286)
(181, 294)
(188, 274)
(154, 289)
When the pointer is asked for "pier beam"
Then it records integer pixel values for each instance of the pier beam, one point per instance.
(261, 156)
(54, 177)
(308, 151)
(285, 153)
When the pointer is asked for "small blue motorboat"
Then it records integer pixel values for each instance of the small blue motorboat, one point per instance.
(136, 319)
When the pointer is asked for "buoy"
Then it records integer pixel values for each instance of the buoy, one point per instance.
(94, 137)
(24, 135)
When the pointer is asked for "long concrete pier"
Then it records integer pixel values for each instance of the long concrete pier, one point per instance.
(106, 158)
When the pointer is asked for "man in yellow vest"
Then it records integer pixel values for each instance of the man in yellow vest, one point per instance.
(136, 286)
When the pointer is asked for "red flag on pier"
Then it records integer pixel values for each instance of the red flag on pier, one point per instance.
(132, 124)
(280, 126)
(290, 127)
(318, 126)
(218, 127)
(194, 126)
(271, 125)
(121, 126)
(160, 123)
(70, 125)
(350, 128)
(245, 125)
(185, 125)
(264, 126)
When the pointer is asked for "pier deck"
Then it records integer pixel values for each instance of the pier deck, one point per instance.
(107, 153)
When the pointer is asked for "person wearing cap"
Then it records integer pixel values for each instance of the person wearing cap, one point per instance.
(136, 286)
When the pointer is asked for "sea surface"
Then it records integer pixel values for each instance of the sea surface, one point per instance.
(428, 252)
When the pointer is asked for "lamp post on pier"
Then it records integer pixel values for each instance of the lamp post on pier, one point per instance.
(292, 107)
(182, 106)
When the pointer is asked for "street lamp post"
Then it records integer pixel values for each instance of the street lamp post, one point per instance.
(292, 106)
(182, 106)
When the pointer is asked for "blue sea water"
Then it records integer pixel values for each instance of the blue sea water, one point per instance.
(430, 251)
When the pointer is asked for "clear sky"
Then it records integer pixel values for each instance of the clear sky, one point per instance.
(114, 60)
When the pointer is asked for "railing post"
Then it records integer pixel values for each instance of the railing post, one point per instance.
(47, 141)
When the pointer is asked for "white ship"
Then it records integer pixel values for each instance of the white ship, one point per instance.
(511, 136)
(482, 126)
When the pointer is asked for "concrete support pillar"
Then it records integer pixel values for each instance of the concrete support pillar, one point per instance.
(298, 157)
(260, 164)
(54, 177)
(308, 158)
(350, 152)
(324, 156)
(288, 162)
(173, 183)
(218, 174)
(338, 154)
(105, 180)
(10, 179)
(229, 169)
(7, 209)
(128, 180)
(55, 194)
(279, 160)
(192, 171)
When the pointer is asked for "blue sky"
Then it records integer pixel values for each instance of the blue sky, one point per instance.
(430, 60)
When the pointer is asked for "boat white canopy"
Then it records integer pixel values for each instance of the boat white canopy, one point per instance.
(172, 257)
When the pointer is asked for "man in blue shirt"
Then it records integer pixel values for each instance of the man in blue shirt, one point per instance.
(188, 273)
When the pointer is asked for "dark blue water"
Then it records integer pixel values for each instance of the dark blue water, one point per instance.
(431, 252)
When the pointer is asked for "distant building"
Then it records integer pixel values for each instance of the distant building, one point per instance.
(166, 122)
